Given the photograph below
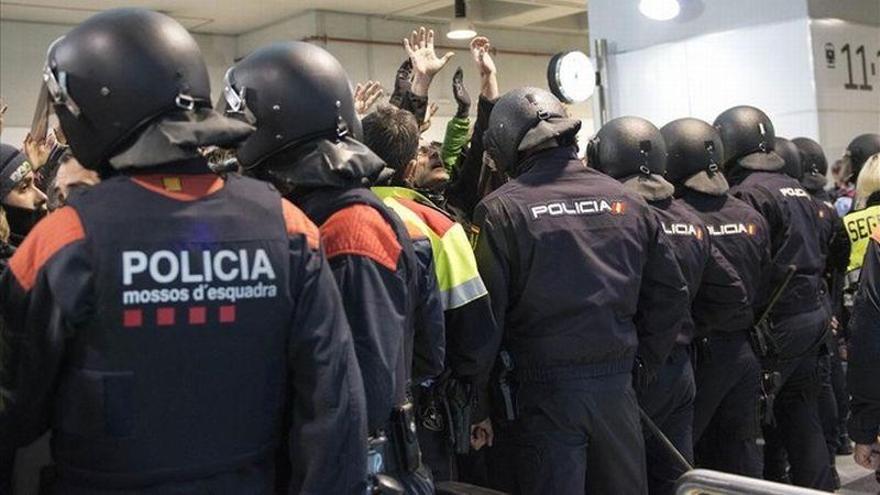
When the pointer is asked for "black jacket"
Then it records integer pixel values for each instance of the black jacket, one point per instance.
(793, 220)
(168, 339)
(692, 249)
(570, 258)
(471, 179)
(740, 243)
(864, 351)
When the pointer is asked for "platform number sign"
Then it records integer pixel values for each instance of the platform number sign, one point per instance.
(861, 64)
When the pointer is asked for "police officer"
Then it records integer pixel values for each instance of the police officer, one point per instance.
(814, 180)
(23, 203)
(394, 135)
(864, 424)
(632, 150)
(726, 424)
(796, 161)
(857, 153)
(164, 336)
(319, 163)
(571, 260)
(799, 320)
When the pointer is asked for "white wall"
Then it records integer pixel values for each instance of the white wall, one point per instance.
(23, 49)
(703, 76)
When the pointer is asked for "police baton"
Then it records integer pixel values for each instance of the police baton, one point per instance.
(659, 435)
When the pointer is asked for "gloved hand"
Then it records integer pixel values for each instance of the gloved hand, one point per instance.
(461, 94)
(402, 82)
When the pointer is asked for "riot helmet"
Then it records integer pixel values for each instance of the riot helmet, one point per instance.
(748, 136)
(792, 156)
(631, 150)
(294, 93)
(119, 72)
(522, 120)
(859, 150)
(694, 153)
(813, 163)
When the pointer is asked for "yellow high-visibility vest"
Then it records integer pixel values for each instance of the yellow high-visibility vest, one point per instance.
(458, 279)
(859, 226)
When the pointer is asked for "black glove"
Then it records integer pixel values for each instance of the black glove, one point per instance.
(461, 95)
(402, 83)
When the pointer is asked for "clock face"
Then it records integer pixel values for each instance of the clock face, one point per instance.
(572, 77)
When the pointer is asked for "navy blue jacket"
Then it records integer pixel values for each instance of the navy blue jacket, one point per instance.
(740, 257)
(793, 220)
(569, 258)
(168, 340)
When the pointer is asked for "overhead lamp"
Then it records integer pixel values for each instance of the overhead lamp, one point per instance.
(459, 27)
(660, 10)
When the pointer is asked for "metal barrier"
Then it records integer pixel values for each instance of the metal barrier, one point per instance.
(707, 482)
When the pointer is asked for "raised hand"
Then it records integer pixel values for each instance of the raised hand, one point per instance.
(460, 93)
(402, 82)
(365, 96)
(426, 64)
(38, 150)
(480, 48)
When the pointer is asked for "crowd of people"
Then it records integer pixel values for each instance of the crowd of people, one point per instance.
(294, 291)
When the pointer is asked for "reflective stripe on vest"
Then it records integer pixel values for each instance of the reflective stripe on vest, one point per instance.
(458, 279)
(859, 225)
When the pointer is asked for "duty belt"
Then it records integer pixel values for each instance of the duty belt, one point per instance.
(573, 372)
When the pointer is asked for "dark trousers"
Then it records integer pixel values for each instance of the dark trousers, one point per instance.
(726, 424)
(669, 402)
(579, 434)
(841, 396)
(796, 410)
(828, 406)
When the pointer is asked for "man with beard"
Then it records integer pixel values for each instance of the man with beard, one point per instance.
(122, 333)
(319, 163)
(23, 203)
(798, 321)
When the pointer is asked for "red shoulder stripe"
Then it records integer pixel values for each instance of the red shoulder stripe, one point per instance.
(54, 232)
(361, 230)
(436, 220)
(414, 232)
(298, 223)
(180, 187)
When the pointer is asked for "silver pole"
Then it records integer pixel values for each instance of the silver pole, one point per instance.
(600, 102)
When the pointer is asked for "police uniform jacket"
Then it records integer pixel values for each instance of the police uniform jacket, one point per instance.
(792, 218)
(571, 258)
(168, 339)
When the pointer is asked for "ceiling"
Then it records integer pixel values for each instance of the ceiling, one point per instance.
(237, 16)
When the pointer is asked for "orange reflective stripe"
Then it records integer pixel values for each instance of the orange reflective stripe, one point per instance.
(297, 222)
(53, 233)
(361, 230)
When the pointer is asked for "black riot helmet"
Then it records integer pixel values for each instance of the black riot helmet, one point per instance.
(694, 153)
(813, 163)
(295, 93)
(860, 149)
(522, 120)
(748, 138)
(792, 156)
(113, 75)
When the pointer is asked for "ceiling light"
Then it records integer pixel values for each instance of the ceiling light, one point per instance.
(459, 27)
(660, 10)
